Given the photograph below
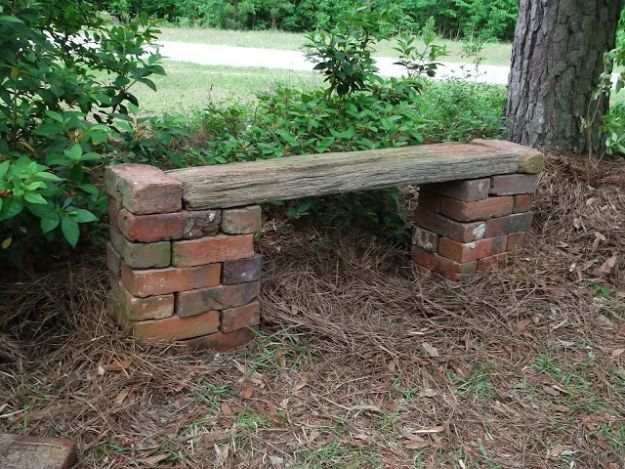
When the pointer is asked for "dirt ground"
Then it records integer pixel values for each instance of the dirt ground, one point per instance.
(362, 361)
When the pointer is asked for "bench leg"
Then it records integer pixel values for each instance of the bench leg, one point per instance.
(189, 276)
(468, 226)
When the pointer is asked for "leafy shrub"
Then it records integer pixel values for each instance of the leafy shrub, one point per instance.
(613, 125)
(56, 118)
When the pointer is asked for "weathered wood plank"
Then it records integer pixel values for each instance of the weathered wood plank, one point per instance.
(294, 177)
(26, 452)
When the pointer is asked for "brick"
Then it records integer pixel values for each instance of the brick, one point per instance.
(468, 190)
(219, 248)
(429, 201)
(452, 229)
(477, 210)
(487, 263)
(173, 279)
(244, 270)
(140, 309)
(220, 297)
(511, 184)
(114, 206)
(530, 160)
(240, 317)
(241, 220)
(28, 452)
(443, 266)
(143, 189)
(141, 255)
(467, 252)
(221, 341)
(523, 203)
(515, 241)
(176, 327)
(164, 226)
(425, 239)
(515, 223)
(113, 260)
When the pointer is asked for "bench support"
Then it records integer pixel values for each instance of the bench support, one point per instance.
(191, 276)
(464, 227)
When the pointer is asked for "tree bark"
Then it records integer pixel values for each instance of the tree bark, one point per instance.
(557, 61)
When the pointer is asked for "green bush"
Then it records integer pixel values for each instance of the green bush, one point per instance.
(57, 119)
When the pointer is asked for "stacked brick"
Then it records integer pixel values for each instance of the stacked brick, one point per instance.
(179, 274)
(468, 226)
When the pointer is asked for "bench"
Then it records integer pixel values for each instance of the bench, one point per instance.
(181, 251)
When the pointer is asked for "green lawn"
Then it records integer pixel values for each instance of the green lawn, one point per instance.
(493, 54)
(190, 86)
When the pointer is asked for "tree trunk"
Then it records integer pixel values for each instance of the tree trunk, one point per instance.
(557, 61)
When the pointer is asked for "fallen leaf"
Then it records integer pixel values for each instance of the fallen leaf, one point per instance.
(607, 266)
(226, 411)
(101, 370)
(151, 460)
(617, 353)
(598, 239)
(430, 350)
(248, 392)
(121, 397)
(428, 393)
(118, 365)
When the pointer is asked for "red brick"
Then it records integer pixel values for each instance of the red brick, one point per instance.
(467, 190)
(141, 255)
(221, 341)
(113, 260)
(511, 184)
(452, 229)
(443, 266)
(467, 252)
(425, 239)
(245, 270)
(515, 241)
(220, 297)
(477, 210)
(176, 327)
(28, 452)
(240, 317)
(487, 263)
(163, 226)
(530, 160)
(429, 201)
(220, 248)
(140, 309)
(143, 189)
(173, 279)
(523, 203)
(515, 223)
(241, 220)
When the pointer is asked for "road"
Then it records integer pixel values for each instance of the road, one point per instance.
(295, 60)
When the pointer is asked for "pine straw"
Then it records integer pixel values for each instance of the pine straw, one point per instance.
(519, 367)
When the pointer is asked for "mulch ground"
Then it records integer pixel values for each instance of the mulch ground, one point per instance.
(362, 361)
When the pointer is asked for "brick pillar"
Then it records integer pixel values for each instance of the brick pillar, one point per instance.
(179, 274)
(467, 226)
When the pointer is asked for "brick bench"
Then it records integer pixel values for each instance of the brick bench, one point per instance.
(181, 251)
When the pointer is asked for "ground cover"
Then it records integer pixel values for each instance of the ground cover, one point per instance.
(361, 361)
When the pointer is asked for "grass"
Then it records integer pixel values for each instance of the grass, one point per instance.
(188, 87)
(493, 53)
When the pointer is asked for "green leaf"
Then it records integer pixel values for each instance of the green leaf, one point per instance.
(4, 167)
(48, 224)
(34, 198)
(84, 216)
(7, 243)
(45, 176)
(11, 208)
(70, 230)
(74, 153)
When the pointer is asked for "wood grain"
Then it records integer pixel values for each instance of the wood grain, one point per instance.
(237, 184)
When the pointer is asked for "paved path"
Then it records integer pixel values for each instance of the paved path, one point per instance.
(295, 60)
